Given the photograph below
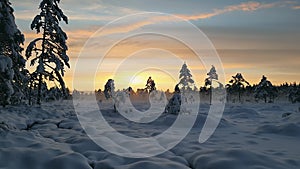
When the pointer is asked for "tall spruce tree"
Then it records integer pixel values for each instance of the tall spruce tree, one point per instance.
(212, 75)
(50, 50)
(11, 41)
(185, 77)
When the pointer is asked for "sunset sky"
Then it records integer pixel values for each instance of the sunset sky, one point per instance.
(251, 37)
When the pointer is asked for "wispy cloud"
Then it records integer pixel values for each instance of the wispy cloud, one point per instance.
(25, 14)
(296, 7)
(92, 10)
(247, 6)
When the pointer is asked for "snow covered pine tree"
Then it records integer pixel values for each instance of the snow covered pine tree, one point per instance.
(11, 40)
(50, 50)
(212, 75)
(6, 77)
(185, 77)
(265, 90)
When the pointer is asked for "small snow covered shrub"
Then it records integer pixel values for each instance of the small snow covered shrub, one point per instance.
(174, 104)
(173, 107)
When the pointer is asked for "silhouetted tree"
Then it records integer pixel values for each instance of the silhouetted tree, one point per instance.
(294, 93)
(265, 90)
(237, 84)
(212, 75)
(49, 50)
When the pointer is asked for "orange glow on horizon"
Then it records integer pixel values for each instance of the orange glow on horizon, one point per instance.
(279, 67)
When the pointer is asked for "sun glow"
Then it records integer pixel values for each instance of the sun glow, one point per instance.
(163, 80)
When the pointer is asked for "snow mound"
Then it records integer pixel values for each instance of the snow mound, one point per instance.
(151, 164)
(68, 161)
(290, 129)
(240, 112)
(234, 159)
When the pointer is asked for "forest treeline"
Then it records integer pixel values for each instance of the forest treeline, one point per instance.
(238, 89)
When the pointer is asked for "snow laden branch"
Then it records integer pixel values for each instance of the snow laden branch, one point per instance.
(48, 53)
(11, 41)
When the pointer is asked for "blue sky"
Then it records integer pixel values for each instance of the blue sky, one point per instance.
(257, 37)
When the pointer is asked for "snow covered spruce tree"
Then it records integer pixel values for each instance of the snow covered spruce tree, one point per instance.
(212, 75)
(49, 50)
(237, 84)
(265, 90)
(6, 77)
(185, 77)
(11, 40)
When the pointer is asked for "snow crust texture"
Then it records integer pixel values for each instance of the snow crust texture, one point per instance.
(249, 136)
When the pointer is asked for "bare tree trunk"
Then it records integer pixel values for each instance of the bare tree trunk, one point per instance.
(29, 94)
(42, 59)
(265, 99)
(210, 95)
(39, 89)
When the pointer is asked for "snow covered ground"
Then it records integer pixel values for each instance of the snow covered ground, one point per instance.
(254, 136)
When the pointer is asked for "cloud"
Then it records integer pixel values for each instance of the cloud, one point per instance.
(296, 7)
(26, 14)
(136, 24)
(247, 6)
(92, 10)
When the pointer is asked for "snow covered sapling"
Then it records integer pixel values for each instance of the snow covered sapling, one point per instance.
(265, 90)
(6, 77)
(49, 50)
(212, 75)
(174, 104)
(185, 77)
(109, 91)
(11, 40)
(109, 88)
(150, 85)
(237, 84)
